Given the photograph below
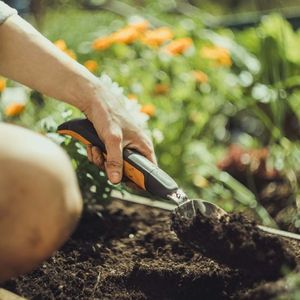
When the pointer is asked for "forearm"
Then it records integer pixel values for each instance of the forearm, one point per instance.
(27, 57)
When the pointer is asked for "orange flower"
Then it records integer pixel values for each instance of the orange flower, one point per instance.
(200, 76)
(126, 35)
(132, 97)
(179, 46)
(2, 84)
(140, 26)
(71, 54)
(102, 43)
(156, 37)
(14, 109)
(91, 65)
(61, 44)
(161, 89)
(148, 109)
(218, 54)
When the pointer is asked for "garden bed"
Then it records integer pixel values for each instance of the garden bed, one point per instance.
(129, 252)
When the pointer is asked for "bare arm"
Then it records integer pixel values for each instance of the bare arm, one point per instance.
(28, 57)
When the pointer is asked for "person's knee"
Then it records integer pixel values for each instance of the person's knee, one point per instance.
(40, 202)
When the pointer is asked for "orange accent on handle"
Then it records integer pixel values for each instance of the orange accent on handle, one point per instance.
(130, 171)
(75, 135)
(134, 175)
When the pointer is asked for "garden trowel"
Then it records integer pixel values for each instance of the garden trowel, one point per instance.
(137, 168)
(151, 178)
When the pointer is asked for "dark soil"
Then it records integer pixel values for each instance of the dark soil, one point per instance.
(236, 241)
(129, 252)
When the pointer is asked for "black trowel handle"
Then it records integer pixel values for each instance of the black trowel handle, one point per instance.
(137, 168)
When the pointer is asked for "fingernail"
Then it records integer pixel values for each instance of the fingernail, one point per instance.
(115, 177)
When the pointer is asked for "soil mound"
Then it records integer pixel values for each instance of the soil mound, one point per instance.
(128, 252)
(237, 242)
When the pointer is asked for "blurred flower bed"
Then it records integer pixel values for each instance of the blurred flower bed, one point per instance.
(203, 90)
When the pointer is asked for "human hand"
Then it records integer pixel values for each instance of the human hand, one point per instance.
(65, 79)
(118, 127)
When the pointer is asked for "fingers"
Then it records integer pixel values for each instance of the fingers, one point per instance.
(89, 152)
(112, 133)
(145, 147)
(98, 158)
(95, 156)
(113, 163)
(114, 158)
(149, 153)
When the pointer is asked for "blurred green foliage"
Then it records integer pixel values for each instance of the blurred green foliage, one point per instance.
(248, 94)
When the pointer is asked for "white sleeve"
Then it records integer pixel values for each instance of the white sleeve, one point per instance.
(5, 11)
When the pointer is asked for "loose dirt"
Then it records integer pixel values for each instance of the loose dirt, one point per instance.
(128, 252)
(237, 242)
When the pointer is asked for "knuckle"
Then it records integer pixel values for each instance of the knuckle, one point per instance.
(148, 148)
(147, 151)
(94, 151)
(114, 164)
(114, 138)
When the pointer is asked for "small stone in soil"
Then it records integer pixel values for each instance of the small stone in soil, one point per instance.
(235, 241)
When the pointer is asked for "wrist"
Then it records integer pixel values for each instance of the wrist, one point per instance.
(83, 90)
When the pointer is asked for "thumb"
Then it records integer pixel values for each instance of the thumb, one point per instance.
(114, 159)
